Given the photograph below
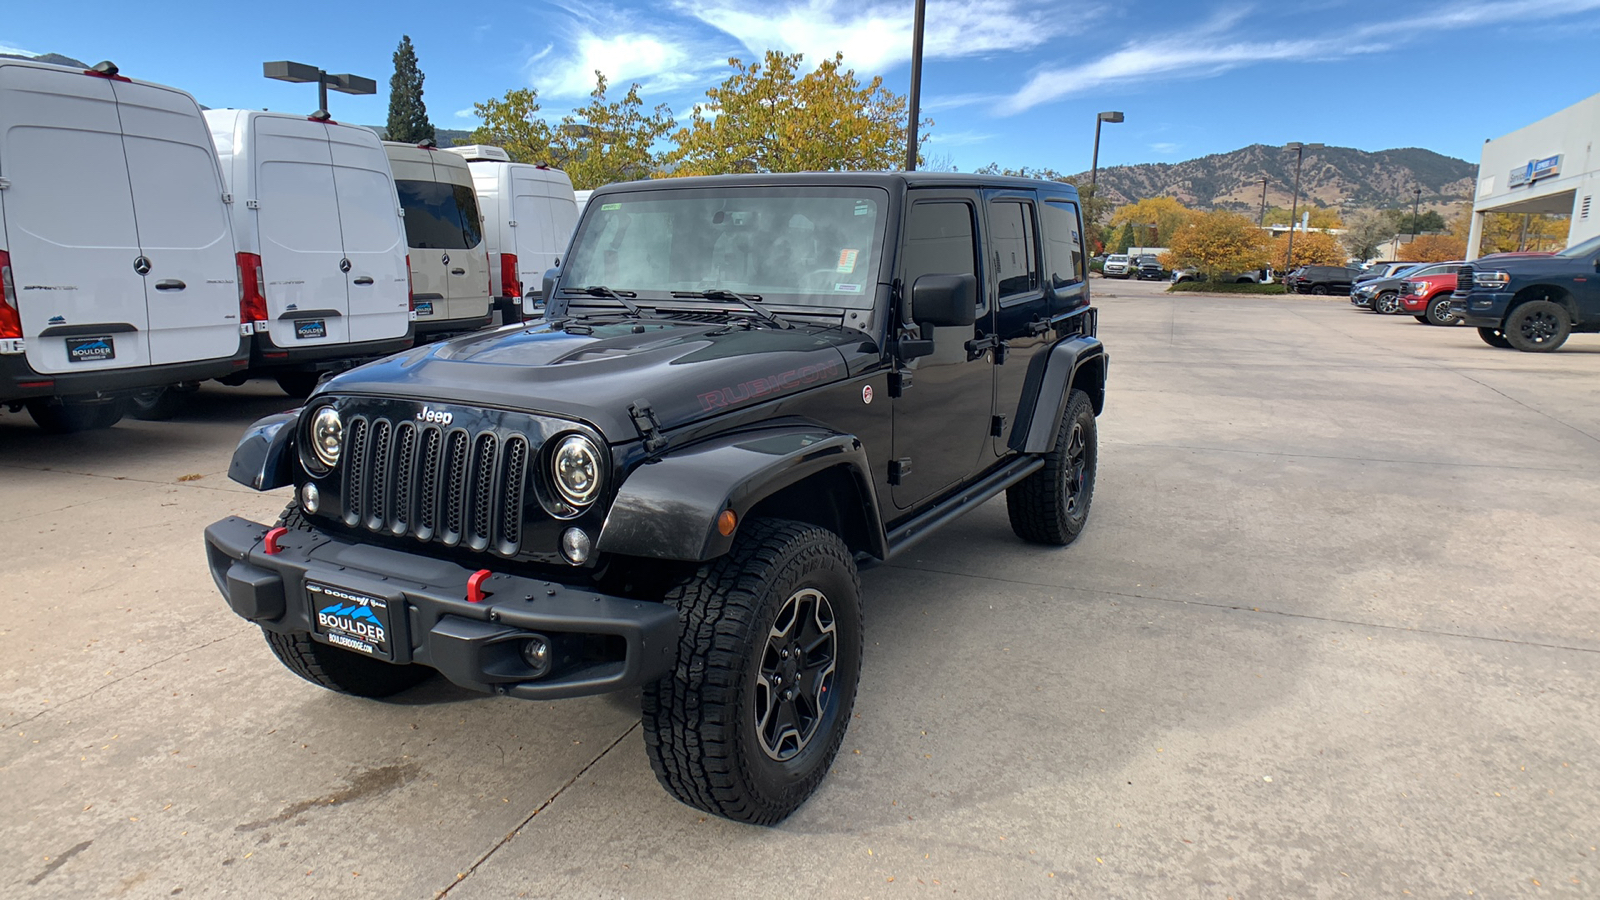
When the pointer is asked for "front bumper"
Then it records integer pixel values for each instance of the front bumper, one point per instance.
(1481, 309)
(609, 643)
(1416, 306)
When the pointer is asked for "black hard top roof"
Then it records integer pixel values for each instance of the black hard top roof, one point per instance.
(886, 180)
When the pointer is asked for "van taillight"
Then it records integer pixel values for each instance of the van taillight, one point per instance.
(10, 318)
(252, 291)
(509, 285)
(411, 289)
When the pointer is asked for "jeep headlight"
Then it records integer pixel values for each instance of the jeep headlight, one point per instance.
(327, 436)
(1491, 281)
(575, 469)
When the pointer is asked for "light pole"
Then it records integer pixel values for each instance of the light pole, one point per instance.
(1261, 219)
(916, 86)
(300, 73)
(1294, 207)
(1094, 167)
(1416, 201)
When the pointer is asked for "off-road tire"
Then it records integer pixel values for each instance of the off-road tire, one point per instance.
(343, 671)
(1438, 312)
(156, 404)
(700, 722)
(1386, 303)
(1046, 507)
(1538, 326)
(55, 416)
(1494, 338)
(298, 384)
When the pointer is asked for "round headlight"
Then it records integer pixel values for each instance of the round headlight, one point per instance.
(327, 436)
(576, 470)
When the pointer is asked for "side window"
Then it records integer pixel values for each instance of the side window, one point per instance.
(940, 241)
(1064, 244)
(1012, 233)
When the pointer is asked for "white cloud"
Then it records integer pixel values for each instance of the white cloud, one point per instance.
(16, 51)
(626, 46)
(1166, 148)
(468, 113)
(959, 138)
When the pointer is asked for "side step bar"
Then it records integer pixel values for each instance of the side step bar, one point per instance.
(961, 503)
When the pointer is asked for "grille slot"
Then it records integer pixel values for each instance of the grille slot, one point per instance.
(355, 483)
(455, 481)
(516, 475)
(379, 474)
(405, 467)
(428, 483)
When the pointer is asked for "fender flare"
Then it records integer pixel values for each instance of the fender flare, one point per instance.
(1078, 362)
(668, 508)
(265, 457)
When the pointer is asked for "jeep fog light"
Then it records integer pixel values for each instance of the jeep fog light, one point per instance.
(575, 546)
(537, 654)
(310, 497)
(576, 465)
(327, 436)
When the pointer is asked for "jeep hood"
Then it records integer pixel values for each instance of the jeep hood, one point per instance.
(595, 371)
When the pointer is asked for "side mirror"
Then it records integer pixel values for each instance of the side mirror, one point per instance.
(945, 300)
(548, 292)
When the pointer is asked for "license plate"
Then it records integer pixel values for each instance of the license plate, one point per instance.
(305, 329)
(351, 620)
(91, 349)
(425, 307)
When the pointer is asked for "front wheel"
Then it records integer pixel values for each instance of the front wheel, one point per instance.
(1321, 290)
(1386, 303)
(768, 663)
(1051, 506)
(1538, 326)
(298, 384)
(56, 416)
(1494, 337)
(1438, 312)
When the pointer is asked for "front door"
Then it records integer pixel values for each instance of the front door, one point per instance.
(941, 418)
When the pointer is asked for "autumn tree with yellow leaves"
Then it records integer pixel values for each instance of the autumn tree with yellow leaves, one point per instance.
(1219, 242)
(1428, 248)
(1316, 248)
(1154, 220)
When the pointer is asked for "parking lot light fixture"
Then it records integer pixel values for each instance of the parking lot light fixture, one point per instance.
(300, 73)
(1294, 206)
(1094, 166)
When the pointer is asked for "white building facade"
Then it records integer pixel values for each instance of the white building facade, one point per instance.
(1548, 168)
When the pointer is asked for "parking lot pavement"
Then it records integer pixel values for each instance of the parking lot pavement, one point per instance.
(1331, 632)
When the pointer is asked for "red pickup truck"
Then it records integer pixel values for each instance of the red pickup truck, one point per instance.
(1426, 294)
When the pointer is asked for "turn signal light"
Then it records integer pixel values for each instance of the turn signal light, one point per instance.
(10, 318)
(727, 522)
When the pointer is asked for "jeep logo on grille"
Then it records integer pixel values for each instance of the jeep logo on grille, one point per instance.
(435, 416)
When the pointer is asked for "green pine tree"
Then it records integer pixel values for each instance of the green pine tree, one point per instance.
(1124, 239)
(408, 116)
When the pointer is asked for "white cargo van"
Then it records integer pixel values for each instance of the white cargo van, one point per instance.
(450, 276)
(321, 245)
(529, 213)
(116, 252)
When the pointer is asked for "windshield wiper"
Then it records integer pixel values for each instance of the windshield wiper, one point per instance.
(600, 290)
(749, 300)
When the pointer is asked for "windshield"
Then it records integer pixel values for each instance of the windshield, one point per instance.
(1583, 249)
(811, 246)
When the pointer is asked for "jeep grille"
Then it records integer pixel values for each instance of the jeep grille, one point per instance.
(436, 484)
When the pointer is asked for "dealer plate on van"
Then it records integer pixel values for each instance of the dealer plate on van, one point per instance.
(351, 620)
(305, 329)
(91, 349)
(424, 307)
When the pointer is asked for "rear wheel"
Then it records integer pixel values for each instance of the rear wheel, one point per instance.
(1051, 506)
(1494, 337)
(1538, 326)
(57, 416)
(1321, 290)
(1438, 312)
(298, 384)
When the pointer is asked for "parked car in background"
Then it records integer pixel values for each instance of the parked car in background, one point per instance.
(1321, 280)
(1149, 268)
(1190, 273)
(322, 251)
(1119, 265)
(1531, 303)
(1379, 270)
(528, 215)
(450, 277)
(117, 269)
(1382, 295)
(582, 199)
(1426, 294)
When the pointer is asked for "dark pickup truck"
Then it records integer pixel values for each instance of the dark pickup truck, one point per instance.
(1531, 303)
(743, 386)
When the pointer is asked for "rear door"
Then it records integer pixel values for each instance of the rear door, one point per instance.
(373, 239)
(69, 221)
(191, 290)
(468, 267)
(1019, 298)
(302, 250)
(547, 206)
(432, 229)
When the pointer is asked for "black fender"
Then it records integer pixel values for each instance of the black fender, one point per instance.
(668, 508)
(265, 457)
(1079, 362)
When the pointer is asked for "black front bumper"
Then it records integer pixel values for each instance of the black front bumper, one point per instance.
(475, 645)
(1481, 309)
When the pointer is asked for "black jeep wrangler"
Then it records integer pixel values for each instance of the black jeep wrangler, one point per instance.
(743, 387)
(1531, 303)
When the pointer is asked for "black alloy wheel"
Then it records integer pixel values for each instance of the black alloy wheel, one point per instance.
(1494, 337)
(1438, 312)
(1386, 303)
(795, 674)
(1051, 506)
(1538, 326)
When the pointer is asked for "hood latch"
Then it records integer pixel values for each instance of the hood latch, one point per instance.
(648, 426)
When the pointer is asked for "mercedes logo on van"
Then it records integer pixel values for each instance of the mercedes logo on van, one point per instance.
(344, 264)
(142, 265)
(445, 258)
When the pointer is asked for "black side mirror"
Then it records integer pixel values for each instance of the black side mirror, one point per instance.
(547, 290)
(945, 300)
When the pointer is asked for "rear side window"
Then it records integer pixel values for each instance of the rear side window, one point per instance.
(439, 216)
(1011, 234)
(1063, 242)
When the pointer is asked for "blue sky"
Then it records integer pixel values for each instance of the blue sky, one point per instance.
(1012, 81)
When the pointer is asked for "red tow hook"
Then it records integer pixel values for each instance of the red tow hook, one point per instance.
(270, 543)
(475, 592)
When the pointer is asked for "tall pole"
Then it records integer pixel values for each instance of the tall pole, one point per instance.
(1415, 226)
(1294, 207)
(916, 87)
(1094, 165)
(1262, 218)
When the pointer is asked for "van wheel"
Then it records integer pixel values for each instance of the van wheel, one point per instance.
(1051, 506)
(748, 723)
(1439, 313)
(1494, 337)
(1538, 326)
(298, 384)
(57, 416)
(156, 404)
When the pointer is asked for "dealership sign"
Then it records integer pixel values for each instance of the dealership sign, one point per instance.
(1536, 169)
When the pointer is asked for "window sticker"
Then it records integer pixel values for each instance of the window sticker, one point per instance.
(847, 288)
(847, 261)
(607, 207)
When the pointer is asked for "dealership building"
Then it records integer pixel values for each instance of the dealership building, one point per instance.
(1551, 167)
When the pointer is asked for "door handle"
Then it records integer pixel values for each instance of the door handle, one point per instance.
(170, 284)
(458, 271)
(365, 279)
(1037, 328)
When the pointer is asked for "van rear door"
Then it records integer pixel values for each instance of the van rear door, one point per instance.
(70, 222)
(468, 268)
(545, 215)
(191, 290)
(302, 251)
(374, 241)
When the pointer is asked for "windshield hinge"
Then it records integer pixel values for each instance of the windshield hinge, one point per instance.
(4, 183)
(252, 204)
(227, 197)
(648, 426)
